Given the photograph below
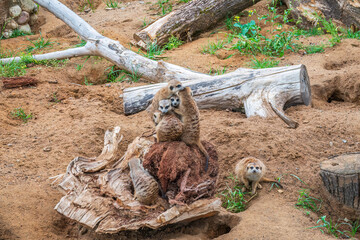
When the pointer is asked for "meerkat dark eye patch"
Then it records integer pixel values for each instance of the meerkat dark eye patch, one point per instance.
(171, 87)
(172, 99)
(251, 167)
(166, 107)
(161, 107)
(257, 168)
(178, 86)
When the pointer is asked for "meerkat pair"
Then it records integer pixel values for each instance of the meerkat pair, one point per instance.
(185, 108)
(252, 170)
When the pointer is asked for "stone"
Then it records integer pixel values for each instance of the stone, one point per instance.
(7, 33)
(47, 149)
(27, 5)
(15, 11)
(12, 25)
(33, 19)
(25, 28)
(23, 18)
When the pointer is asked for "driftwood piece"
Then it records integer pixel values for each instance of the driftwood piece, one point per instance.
(340, 176)
(18, 82)
(102, 199)
(346, 12)
(263, 92)
(190, 19)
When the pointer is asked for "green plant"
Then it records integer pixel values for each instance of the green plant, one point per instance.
(330, 227)
(172, 43)
(87, 4)
(153, 51)
(249, 29)
(307, 202)
(263, 63)
(86, 81)
(12, 69)
(81, 44)
(145, 23)
(293, 175)
(212, 47)
(184, 1)
(354, 227)
(217, 71)
(80, 66)
(112, 4)
(54, 98)
(164, 6)
(39, 44)
(316, 31)
(113, 74)
(310, 49)
(233, 199)
(20, 114)
(134, 75)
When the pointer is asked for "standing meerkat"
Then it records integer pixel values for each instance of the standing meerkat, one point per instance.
(189, 115)
(146, 188)
(166, 92)
(168, 126)
(252, 170)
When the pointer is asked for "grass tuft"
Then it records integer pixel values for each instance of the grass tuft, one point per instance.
(19, 113)
(307, 202)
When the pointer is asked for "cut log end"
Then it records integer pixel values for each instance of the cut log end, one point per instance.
(340, 176)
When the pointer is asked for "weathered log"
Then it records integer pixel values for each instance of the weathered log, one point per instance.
(102, 199)
(190, 19)
(18, 82)
(340, 176)
(346, 12)
(263, 93)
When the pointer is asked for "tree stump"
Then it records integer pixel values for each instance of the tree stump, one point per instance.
(340, 176)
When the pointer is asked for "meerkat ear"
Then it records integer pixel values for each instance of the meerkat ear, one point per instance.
(260, 168)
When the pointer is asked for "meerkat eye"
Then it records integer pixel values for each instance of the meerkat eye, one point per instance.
(257, 168)
(251, 167)
(166, 107)
(161, 107)
(178, 86)
(171, 87)
(172, 99)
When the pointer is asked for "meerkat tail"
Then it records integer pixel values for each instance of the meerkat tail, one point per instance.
(264, 179)
(202, 149)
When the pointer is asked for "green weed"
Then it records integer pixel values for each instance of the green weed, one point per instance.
(307, 202)
(164, 6)
(264, 63)
(113, 74)
(212, 47)
(233, 199)
(310, 49)
(307, 33)
(86, 81)
(293, 175)
(86, 5)
(81, 44)
(217, 71)
(112, 4)
(184, 1)
(354, 227)
(330, 227)
(80, 66)
(54, 98)
(39, 44)
(19, 113)
(12, 69)
(145, 23)
(18, 33)
(172, 43)
(153, 51)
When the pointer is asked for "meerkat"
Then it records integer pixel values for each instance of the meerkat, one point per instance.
(189, 115)
(166, 92)
(146, 188)
(168, 126)
(175, 101)
(252, 170)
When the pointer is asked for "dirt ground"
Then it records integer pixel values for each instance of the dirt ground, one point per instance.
(75, 126)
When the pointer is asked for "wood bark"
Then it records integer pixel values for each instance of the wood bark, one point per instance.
(97, 193)
(297, 92)
(347, 12)
(340, 176)
(18, 82)
(189, 20)
(262, 92)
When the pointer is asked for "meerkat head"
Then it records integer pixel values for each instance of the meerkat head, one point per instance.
(175, 100)
(175, 86)
(165, 105)
(156, 117)
(253, 169)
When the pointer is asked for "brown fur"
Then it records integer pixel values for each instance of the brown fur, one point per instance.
(146, 188)
(168, 127)
(189, 115)
(164, 93)
(255, 175)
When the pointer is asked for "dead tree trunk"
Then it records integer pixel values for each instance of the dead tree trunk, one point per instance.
(18, 82)
(341, 177)
(346, 12)
(189, 20)
(262, 92)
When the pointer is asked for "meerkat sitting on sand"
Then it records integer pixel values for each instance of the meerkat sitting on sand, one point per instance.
(189, 115)
(146, 188)
(168, 126)
(166, 92)
(252, 170)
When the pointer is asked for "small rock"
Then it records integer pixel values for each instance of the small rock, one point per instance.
(33, 19)
(141, 2)
(280, 191)
(344, 141)
(305, 121)
(15, 11)
(9, 145)
(27, 5)
(108, 85)
(7, 33)
(47, 149)
(12, 25)
(53, 81)
(25, 28)
(331, 144)
(23, 18)
(123, 8)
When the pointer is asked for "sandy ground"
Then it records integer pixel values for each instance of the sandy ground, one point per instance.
(75, 126)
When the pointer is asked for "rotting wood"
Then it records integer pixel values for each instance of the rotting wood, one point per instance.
(341, 176)
(345, 12)
(262, 92)
(102, 199)
(189, 20)
(18, 82)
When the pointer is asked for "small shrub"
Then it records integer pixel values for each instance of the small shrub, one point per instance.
(39, 44)
(307, 202)
(212, 47)
(330, 227)
(19, 113)
(173, 42)
(233, 199)
(264, 63)
(112, 4)
(12, 69)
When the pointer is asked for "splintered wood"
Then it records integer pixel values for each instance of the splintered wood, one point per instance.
(99, 193)
(341, 176)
